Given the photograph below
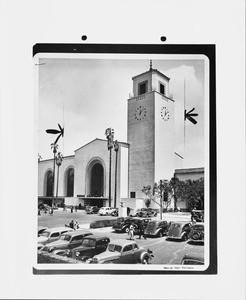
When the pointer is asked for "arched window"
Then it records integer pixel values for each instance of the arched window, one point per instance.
(49, 183)
(70, 182)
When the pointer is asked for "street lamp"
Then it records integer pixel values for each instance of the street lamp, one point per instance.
(109, 132)
(59, 159)
(116, 149)
(54, 146)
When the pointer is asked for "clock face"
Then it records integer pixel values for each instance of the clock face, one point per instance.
(165, 114)
(140, 113)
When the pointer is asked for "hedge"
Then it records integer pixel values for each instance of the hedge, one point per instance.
(102, 223)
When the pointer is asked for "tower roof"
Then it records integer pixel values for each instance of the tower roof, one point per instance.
(151, 71)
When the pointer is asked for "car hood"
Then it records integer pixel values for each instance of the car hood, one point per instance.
(42, 239)
(81, 248)
(107, 255)
(58, 243)
(175, 231)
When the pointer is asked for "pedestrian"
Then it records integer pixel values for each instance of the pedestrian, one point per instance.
(131, 231)
(76, 225)
(51, 211)
(71, 224)
(76, 207)
(39, 212)
(71, 209)
(141, 230)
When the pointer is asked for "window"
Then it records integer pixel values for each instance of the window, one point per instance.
(132, 194)
(127, 248)
(78, 238)
(142, 88)
(162, 89)
(55, 234)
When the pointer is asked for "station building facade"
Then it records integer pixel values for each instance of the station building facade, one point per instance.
(146, 157)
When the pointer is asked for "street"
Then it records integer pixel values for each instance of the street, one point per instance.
(168, 252)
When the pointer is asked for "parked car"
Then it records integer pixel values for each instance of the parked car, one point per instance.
(148, 213)
(92, 209)
(91, 245)
(122, 224)
(115, 212)
(193, 259)
(137, 212)
(105, 211)
(157, 228)
(44, 207)
(68, 240)
(137, 222)
(196, 233)
(51, 235)
(41, 229)
(179, 230)
(123, 252)
(197, 215)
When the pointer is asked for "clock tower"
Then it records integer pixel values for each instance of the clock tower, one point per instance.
(150, 131)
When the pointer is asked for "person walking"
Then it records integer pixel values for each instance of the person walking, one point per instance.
(141, 230)
(51, 211)
(131, 231)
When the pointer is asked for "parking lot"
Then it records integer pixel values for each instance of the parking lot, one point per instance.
(165, 251)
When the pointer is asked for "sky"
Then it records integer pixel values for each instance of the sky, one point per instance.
(88, 95)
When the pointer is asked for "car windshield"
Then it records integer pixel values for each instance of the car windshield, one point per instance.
(65, 237)
(89, 243)
(113, 248)
(45, 234)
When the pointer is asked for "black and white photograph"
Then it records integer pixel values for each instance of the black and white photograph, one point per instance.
(122, 157)
(123, 162)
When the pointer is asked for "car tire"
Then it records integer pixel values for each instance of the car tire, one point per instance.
(184, 237)
(160, 234)
(145, 260)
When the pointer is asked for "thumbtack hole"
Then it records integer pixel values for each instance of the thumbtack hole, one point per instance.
(163, 38)
(84, 37)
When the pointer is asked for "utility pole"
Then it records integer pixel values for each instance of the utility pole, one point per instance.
(116, 149)
(59, 159)
(109, 132)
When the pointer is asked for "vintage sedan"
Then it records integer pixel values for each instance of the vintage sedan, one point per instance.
(157, 228)
(91, 245)
(123, 252)
(137, 221)
(197, 215)
(193, 259)
(68, 240)
(105, 211)
(51, 235)
(197, 233)
(137, 212)
(41, 229)
(92, 209)
(148, 213)
(122, 224)
(179, 230)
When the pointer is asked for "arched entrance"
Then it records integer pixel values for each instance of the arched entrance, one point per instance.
(95, 182)
(69, 184)
(49, 184)
(96, 187)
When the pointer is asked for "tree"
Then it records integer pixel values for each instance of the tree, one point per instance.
(158, 194)
(190, 191)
